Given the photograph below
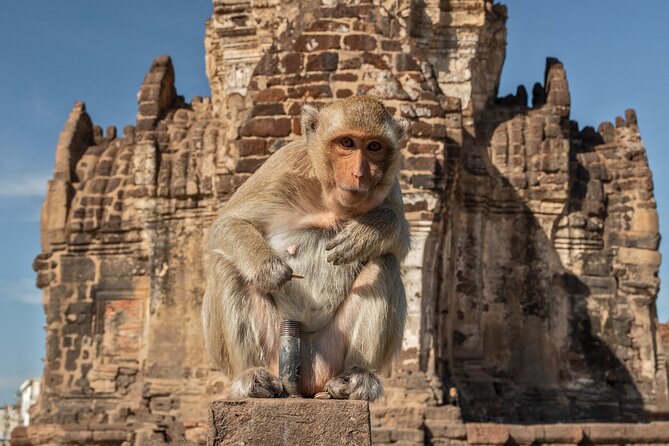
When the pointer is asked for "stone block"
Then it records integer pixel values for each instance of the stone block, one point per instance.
(289, 421)
(77, 269)
(484, 433)
(638, 256)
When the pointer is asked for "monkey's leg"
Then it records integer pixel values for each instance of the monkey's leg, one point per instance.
(370, 322)
(241, 332)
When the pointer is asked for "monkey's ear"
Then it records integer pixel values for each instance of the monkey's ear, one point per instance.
(402, 129)
(309, 119)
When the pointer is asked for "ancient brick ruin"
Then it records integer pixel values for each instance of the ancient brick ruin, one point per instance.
(533, 275)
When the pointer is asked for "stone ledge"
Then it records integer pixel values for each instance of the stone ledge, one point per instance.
(288, 421)
(568, 433)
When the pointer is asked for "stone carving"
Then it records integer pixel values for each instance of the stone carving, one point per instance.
(533, 275)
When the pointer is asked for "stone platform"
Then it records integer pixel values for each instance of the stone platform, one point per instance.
(289, 421)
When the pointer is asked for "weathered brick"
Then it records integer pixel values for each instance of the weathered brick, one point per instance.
(359, 42)
(344, 93)
(406, 62)
(271, 95)
(317, 42)
(249, 165)
(423, 181)
(310, 91)
(328, 25)
(419, 148)
(266, 127)
(345, 77)
(251, 147)
(420, 163)
(268, 65)
(292, 63)
(375, 60)
(267, 109)
(391, 45)
(326, 61)
(421, 129)
(352, 63)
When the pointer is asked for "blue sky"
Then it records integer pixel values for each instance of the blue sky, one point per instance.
(54, 53)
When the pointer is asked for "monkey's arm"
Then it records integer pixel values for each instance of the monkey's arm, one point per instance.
(383, 230)
(241, 243)
(237, 235)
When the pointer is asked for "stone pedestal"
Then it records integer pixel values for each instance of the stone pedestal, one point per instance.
(288, 421)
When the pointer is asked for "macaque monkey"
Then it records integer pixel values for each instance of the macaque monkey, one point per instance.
(328, 208)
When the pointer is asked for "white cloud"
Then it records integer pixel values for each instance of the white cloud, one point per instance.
(23, 185)
(23, 290)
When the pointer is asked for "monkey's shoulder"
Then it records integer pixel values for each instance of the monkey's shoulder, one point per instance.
(293, 158)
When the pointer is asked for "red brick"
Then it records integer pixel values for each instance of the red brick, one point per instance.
(346, 11)
(317, 42)
(249, 147)
(271, 95)
(328, 25)
(267, 66)
(344, 93)
(391, 45)
(421, 129)
(423, 181)
(310, 91)
(375, 60)
(267, 109)
(405, 62)
(292, 63)
(266, 127)
(295, 109)
(420, 163)
(326, 61)
(249, 165)
(417, 148)
(297, 126)
(359, 42)
(350, 64)
(345, 77)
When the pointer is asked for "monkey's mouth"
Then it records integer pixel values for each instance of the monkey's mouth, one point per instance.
(351, 196)
(354, 190)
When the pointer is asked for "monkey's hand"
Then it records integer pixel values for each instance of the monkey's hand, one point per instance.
(272, 274)
(379, 231)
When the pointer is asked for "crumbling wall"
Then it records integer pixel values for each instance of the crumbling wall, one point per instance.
(533, 275)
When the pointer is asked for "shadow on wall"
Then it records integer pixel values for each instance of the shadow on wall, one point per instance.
(516, 332)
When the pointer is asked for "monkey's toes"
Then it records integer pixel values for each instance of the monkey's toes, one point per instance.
(355, 384)
(256, 383)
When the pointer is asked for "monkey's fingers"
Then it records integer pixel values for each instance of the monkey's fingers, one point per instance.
(342, 255)
(337, 240)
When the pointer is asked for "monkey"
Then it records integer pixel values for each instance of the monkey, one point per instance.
(317, 235)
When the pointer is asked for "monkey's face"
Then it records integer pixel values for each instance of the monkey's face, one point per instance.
(354, 147)
(359, 161)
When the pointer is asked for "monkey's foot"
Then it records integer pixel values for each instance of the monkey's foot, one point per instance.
(256, 383)
(355, 384)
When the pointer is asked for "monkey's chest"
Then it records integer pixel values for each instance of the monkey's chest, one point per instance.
(313, 300)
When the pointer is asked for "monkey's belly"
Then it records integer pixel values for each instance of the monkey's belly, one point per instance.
(315, 299)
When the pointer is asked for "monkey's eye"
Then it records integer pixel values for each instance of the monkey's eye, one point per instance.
(346, 142)
(374, 146)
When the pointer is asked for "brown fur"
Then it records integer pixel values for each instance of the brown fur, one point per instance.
(330, 205)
